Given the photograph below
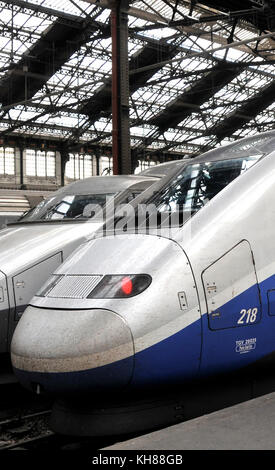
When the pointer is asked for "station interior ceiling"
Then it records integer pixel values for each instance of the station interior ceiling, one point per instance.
(201, 74)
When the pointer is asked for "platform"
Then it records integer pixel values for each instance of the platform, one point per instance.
(246, 426)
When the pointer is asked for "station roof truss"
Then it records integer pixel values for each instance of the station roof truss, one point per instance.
(200, 73)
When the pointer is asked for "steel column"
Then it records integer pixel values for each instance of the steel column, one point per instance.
(21, 154)
(64, 154)
(120, 88)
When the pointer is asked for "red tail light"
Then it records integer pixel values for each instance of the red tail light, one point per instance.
(120, 286)
(127, 286)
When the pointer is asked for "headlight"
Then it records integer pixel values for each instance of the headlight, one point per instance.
(120, 286)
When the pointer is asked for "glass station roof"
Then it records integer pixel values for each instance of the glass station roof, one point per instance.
(210, 77)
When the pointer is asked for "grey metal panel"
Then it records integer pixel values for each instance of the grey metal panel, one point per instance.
(150, 316)
(29, 281)
(69, 342)
(224, 281)
(4, 312)
(74, 287)
(165, 168)
(102, 184)
(257, 144)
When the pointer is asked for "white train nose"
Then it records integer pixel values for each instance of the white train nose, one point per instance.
(83, 349)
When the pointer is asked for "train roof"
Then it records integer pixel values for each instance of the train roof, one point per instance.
(105, 184)
(259, 144)
(164, 169)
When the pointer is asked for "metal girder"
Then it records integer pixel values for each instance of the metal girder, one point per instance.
(59, 130)
(261, 16)
(152, 56)
(135, 12)
(43, 59)
(195, 29)
(194, 96)
(46, 11)
(152, 53)
(188, 21)
(243, 114)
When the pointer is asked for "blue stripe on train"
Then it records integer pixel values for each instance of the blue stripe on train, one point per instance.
(229, 345)
(234, 345)
(174, 359)
(111, 376)
(183, 355)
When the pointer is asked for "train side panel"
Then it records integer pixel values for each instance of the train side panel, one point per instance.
(230, 244)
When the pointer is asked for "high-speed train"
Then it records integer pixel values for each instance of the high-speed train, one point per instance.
(33, 247)
(162, 305)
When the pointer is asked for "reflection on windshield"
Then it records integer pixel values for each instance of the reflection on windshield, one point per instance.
(199, 183)
(69, 207)
(72, 207)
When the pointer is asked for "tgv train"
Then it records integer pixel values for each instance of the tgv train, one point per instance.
(165, 304)
(33, 247)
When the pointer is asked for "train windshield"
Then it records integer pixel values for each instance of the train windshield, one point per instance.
(199, 183)
(68, 207)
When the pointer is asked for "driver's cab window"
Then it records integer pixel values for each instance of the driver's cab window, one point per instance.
(76, 206)
(199, 183)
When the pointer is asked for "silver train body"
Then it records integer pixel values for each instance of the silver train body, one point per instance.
(135, 310)
(33, 248)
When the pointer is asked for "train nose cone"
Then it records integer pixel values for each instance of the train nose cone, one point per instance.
(72, 350)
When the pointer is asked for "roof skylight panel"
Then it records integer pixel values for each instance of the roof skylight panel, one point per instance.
(31, 23)
(171, 135)
(66, 121)
(160, 33)
(140, 131)
(103, 16)
(102, 125)
(15, 114)
(264, 68)
(200, 140)
(133, 47)
(15, 48)
(66, 6)
(134, 22)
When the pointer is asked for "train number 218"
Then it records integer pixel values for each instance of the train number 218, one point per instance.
(248, 316)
